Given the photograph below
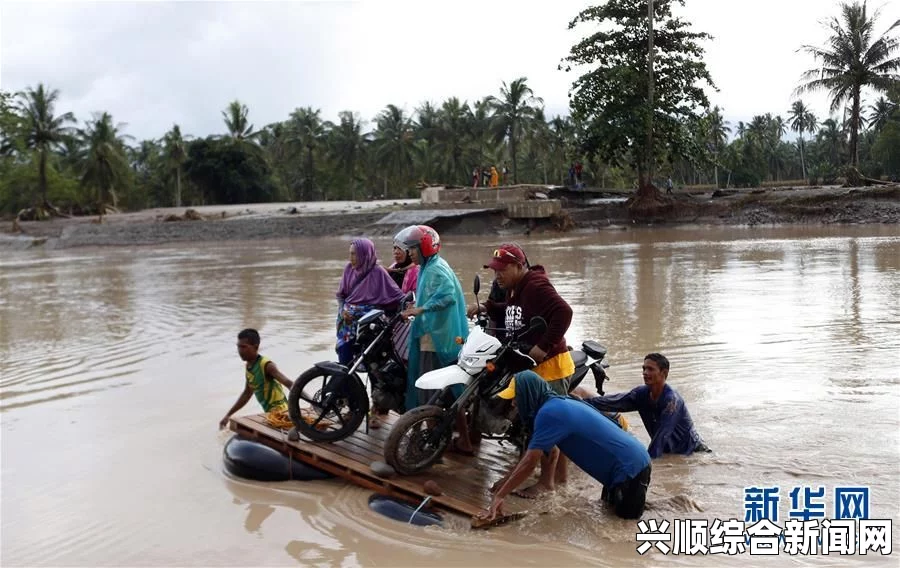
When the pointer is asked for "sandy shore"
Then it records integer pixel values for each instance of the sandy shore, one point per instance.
(582, 211)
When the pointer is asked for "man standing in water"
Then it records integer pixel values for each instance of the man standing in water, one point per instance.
(662, 410)
(594, 442)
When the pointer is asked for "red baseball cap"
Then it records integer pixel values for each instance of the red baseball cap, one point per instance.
(505, 255)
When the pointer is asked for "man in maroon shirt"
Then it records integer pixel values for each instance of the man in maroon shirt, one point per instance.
(530, 294)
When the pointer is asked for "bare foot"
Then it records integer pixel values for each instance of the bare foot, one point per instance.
(532, 492)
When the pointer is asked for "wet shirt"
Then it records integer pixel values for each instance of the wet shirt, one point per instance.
(592, 441)
(267, 390)
(667, 420)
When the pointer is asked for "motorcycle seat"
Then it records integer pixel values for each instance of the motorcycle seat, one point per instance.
(594, 349)
(579, 358)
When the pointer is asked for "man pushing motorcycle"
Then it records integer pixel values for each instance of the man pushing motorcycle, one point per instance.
(529, 294)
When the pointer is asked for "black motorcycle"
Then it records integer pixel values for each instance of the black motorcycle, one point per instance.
(336, 398)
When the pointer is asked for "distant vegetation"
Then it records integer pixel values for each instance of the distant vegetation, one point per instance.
(47, 156)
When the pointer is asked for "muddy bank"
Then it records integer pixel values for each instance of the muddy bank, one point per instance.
(582, 211)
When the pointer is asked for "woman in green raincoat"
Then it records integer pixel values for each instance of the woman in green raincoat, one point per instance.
(440, 311)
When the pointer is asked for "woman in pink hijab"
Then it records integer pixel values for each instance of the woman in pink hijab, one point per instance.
(365, 285)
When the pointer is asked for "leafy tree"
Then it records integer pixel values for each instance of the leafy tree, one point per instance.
(802, 120)
(396, 152)
(176, 156)
(853, 58)
(611, 98)
(514, 109)
(106, 169)
(225, 173)
(42, 130)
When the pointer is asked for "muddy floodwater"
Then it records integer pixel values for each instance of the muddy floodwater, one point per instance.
(116, 365)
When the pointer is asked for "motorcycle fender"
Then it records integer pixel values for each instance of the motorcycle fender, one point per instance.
(331, 367)
(440, 378)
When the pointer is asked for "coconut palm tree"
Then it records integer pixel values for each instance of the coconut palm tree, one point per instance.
(395, 146)
(879, 113)
(307, 132)
(347, 145)
(802, 120)
(176, 156)
(717, 131)
(853, 58)
(515, 106)
(237, 123)
(42, 131)
(106, 167)
(452, 149)
(427, 132)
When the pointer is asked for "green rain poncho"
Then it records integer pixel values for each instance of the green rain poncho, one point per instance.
(440, 294)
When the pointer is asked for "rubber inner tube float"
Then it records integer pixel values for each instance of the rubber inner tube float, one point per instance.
(405, 512)
(252, 460)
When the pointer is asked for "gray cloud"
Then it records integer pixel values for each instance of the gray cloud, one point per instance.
(151, 64)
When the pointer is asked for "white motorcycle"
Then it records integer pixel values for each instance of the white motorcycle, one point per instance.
(484, 368)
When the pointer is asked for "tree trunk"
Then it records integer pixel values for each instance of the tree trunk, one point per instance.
(854, 130)
(42, 175)
(512, 150)
(649, 150)
(802, 159)
(178, 186)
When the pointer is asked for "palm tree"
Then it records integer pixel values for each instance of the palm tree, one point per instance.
(307, 131)
(395, 145)
(717, 131)
(480, 122)
(562, 137)
(235, 117)
(853, 59)
(43, 131)
(427, 126)
(515, 106)
(347, 144)
(802, 120)
(176, 156)
(106, 167)
(880, 113)
(452, 135)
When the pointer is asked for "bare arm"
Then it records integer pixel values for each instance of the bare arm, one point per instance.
(241, 401)
(515, 478)
(272, 371)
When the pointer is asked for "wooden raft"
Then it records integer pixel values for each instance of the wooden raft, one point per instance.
(465, 481)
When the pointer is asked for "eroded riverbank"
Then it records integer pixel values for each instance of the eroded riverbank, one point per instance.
(582, 211)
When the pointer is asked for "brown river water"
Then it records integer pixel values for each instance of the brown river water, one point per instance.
(116, 365)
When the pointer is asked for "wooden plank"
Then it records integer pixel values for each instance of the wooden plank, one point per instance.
(463, 480)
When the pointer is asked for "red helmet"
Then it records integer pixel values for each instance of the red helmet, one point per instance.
(422, 237)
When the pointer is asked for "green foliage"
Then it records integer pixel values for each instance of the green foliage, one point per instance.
(611, 97)
(853, 58)
(887, 148)
(225, 173)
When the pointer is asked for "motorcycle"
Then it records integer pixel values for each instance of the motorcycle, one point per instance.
(336, 398)
(485, 367)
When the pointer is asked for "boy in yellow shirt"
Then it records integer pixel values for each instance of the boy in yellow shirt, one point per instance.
(262, 378)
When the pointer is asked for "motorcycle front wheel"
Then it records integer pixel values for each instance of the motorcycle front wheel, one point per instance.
(327, 407)
(415, 443)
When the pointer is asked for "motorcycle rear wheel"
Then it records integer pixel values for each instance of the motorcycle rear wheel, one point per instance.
(334, 409)
(409, 448)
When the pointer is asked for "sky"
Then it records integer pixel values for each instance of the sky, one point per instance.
(153, 64)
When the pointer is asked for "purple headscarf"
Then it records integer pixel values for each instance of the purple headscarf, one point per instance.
(370, 283)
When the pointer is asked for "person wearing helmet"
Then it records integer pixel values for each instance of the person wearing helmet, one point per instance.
(440, 310)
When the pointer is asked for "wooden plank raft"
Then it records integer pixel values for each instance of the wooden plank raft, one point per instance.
(464, 481)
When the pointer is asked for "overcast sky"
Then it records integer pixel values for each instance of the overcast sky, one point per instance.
(152, 64)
